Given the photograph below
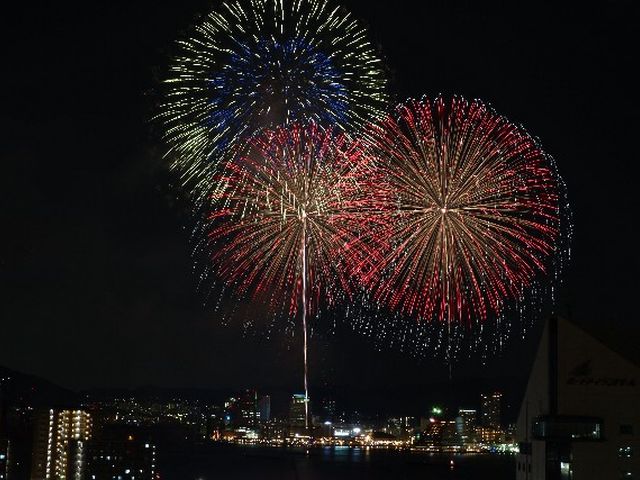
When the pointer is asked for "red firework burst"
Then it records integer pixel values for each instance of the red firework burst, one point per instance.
(475, 213)
(291, 212)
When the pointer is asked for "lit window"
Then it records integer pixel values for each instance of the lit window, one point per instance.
(625, 452)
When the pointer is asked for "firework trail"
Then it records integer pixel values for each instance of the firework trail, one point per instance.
(253, 64)
(477, 218)
(292, 211)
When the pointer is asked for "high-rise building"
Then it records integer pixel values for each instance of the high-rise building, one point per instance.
(491, 410)
(242, 411)
(248, 414)
(466, 425)
(60, 442)
(297, 412)
(264, 408)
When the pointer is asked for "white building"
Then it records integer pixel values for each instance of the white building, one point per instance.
(60, 438)
(580, 417)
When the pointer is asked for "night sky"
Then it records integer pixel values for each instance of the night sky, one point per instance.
(96, 279)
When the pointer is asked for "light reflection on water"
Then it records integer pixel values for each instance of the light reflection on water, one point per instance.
(335, 463)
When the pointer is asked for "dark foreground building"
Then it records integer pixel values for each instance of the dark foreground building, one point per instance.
(580, 417)
(121, 453)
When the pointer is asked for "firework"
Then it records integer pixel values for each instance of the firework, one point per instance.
(477, 215)
(253, 64)
(292, 210)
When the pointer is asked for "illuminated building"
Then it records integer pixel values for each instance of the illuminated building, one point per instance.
(121, 453)
(297, 413)
(383, 439)
(401, 427)
(490, 435)
(440, 435)
(490, 410)
(230, 411)
(248, 414)
(347, 431)
(580, 416)
(60, 443)
(466, 425)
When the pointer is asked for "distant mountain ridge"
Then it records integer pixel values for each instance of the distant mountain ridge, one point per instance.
(26, 389)
(384, 400)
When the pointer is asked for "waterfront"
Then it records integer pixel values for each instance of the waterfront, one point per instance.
(208, 462)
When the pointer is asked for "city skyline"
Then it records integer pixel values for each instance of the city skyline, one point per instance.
(342, 399)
